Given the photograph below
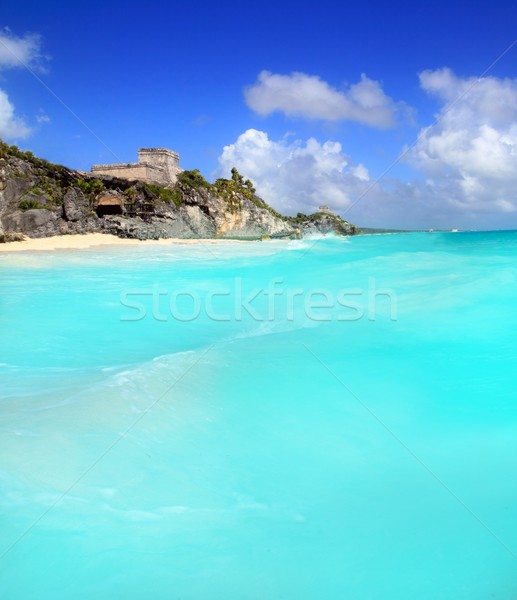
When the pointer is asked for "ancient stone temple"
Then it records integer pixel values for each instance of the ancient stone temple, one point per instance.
(157, 165)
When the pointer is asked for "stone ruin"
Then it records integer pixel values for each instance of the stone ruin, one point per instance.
(156, 165)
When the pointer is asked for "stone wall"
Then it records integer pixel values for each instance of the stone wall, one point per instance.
(162, 158)
(158, 165)
(142, 171)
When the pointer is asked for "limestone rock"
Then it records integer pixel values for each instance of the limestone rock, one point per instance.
(325, 223)
(13, 236)
(34, 222)
(75, 205)
(3, 174)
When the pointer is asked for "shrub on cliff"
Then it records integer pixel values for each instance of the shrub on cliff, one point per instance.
(228, 191)
(236, 187)
(91, 187)
(193, 179)
(158, 192)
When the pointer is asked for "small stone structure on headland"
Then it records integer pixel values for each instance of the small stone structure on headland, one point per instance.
(157, 165)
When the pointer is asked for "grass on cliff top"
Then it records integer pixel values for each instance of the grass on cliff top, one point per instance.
(318, 216)
(6, 151)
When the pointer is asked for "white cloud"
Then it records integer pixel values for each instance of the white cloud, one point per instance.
(20, 51)
(297, 176)
(16, 52)
(302, 95)
(11, 126)
(470, 154)
(468, 158)
(294, 175)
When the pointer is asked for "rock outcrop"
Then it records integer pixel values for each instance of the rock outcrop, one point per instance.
(41, 199)
(323, 223)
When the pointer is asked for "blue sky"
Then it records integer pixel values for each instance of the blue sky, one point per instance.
(314, 101)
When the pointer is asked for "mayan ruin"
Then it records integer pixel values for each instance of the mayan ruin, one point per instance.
(157, 165)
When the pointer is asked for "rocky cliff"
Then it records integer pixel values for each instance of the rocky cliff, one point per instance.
(323, 223)
(41, 199)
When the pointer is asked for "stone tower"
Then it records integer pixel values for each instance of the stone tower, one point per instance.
(162, 158)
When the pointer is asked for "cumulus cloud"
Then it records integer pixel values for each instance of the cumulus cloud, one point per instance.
(298, 176)
(308, 96)
(11, 126)
(470, 154)
(295, 175)
(20, 51)
(468, 159)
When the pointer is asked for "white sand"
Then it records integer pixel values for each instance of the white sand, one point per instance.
(90, 240)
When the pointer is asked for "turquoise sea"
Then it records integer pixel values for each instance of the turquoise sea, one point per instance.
(332, 419)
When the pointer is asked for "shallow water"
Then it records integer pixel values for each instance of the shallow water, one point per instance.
(312, 419)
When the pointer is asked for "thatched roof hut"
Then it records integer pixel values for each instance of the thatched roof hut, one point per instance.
(109, 204)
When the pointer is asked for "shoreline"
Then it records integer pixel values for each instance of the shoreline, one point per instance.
(84, 241)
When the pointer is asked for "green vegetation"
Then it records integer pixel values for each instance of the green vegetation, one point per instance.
(231, 190)
(193, 179)
(52, 180)
(158, 192)
(263, 204)
(228, 191)
(90, 187)
(247, 189)
(48, 191)
(299, 219)
(28, 204)
(131, 195)
(6, 151)
(319, 216)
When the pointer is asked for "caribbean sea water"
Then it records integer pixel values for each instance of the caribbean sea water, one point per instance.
(330, 419)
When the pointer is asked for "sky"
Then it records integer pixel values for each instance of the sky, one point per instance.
(394, 114)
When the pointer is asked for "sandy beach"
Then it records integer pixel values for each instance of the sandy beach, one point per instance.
(91, 240)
